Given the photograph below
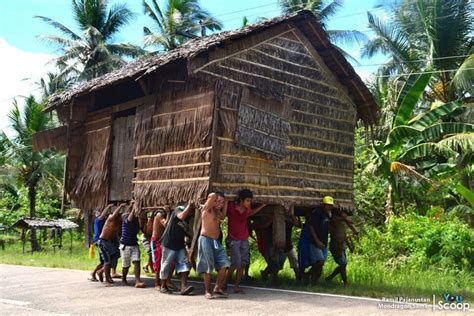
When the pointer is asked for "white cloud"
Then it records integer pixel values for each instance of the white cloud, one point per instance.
(19, 72)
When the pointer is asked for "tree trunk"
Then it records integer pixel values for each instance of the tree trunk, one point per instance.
(389, 204)
(32, 199)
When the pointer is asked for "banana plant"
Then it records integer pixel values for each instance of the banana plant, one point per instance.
(421, 145)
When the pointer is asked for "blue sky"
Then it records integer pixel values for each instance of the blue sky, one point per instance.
(24, 56)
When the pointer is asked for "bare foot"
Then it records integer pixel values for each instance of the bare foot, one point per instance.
(116, 276)
(108, 284)
(125, 282)
(209, 296)
(157, 288)
(140, 285)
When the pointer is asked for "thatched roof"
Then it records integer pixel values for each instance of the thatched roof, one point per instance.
(45, 223)
(304, 20)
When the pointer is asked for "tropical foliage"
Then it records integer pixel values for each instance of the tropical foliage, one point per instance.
(92, 52)
(21, 166)
(426, 34)
(323, 12)
(176, 23)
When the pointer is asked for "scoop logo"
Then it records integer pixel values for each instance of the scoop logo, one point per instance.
(453, 302)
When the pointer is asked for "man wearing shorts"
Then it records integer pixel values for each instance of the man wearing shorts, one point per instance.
(159, 224)
(319, 233)
(99, 222)
(238, 214)
(129, 246)
(107, 246)
(337, 244)
(174, 250)
(211, 254)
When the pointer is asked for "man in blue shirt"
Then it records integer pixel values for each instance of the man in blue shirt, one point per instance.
(99, 222)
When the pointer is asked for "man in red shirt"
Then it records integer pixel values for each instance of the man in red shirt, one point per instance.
(238, 214)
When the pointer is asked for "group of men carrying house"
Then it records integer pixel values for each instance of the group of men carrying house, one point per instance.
(167, 233)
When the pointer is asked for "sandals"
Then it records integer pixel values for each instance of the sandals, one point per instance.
(165, 290)
(187, 290)
(220, 293)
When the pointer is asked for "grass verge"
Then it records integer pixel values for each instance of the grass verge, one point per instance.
(370, 279)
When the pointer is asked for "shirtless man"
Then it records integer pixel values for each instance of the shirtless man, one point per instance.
(99, 222)
(107, 247)
(159, 224)
(146, 225)
(211, 254)
(337, 244)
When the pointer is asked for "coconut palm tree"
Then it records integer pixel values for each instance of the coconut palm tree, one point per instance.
(179, 17)
(31, 169)
(425, 34)
(323, 11)
(53, 83)
(92, 52)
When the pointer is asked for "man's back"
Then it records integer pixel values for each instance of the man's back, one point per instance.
(173, 237)
(111, 226)
(319, 220)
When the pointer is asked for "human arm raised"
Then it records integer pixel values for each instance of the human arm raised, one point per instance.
(184, 214)
(104, 212)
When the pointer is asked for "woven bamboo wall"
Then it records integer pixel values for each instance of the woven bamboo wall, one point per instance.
(173, 145)
(320, 151)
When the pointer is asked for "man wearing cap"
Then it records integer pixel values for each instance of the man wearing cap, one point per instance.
(318, 232)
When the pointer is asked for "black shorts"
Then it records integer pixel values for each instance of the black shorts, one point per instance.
(109, 252)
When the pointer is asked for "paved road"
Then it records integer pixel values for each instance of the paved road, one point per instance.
(32, 290)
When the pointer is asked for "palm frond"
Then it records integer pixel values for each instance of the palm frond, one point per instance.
(347, 37)
(118, 16)
(65, 30)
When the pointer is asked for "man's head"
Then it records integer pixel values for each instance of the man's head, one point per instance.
(220, 201)
(328, 203)
(245, 198)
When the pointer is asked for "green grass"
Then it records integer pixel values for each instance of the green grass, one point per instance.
(372, 279)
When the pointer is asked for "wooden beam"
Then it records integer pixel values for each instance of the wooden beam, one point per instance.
(143, 86)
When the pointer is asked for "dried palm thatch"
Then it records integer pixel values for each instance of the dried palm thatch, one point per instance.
(90, 188)
(173, 150)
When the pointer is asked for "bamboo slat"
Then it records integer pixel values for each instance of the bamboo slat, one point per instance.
(173, 153)
(172, 180)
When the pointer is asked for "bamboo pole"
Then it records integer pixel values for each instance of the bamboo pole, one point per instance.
(173, 167)
(173, 153)
(171, 180)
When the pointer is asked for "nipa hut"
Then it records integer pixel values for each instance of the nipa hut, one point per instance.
(271, 107)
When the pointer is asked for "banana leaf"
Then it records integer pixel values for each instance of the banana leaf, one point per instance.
(437, 131)
(432, 116)
(466, 193)
(409, 97)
